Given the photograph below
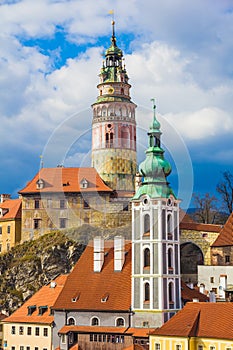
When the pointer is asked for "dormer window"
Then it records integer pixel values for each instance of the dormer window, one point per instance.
(84, 183)
(75, 297)
(40, 184)
(31, 309)
(42, 310)
(104, 298)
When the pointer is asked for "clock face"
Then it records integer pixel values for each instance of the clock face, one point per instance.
(111, 90)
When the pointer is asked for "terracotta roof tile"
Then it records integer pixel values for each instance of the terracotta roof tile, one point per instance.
(192, 321)
(46, 296)
(225, 237)
(66, 180)
(93, 286)
(188, 294)
(13, 207)
(200, 227)
(136, 332)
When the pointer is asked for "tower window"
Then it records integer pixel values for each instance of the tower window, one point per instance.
(170, 262)
(147, 292)
(109, 139)
(147, 223)
(170, 293)
(147, 257)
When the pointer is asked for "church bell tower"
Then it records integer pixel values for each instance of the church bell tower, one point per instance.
(156, 286)
(113, 124)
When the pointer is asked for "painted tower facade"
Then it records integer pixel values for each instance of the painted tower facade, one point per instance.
(114, 125)
(156, 286)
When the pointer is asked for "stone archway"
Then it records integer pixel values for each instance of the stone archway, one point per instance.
(190, 257)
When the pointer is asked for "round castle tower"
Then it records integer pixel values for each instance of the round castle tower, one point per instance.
(114, 125)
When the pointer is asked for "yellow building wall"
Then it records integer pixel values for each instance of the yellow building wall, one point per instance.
(202, 239)
(168, 343)
(9, 240)
(189, 343)
(16, 340)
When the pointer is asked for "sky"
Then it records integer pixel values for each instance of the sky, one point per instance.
(176, 51)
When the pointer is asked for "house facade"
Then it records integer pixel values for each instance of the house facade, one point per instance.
(31, 326)
(10, 222)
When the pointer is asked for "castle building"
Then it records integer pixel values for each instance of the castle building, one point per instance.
(156, 285)
(113, 124)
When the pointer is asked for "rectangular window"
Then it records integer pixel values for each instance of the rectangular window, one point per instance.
(45, 332)
(157, 346)
(36, 348)
(211, 279)
(8, 229)
(37, 203)
(20, 330)
(49, 203)
(13, 330)
(227, 258)
(0, 230)
(200, 347)
(85, 205)
(37, 331)
(62, 223)
(62, 204)
(37, 224)
(63, 338)
(212, 348)
(29, 331)
(27, 347)
(21, 347)
(178, 347)
(0, 248)
(13, 348)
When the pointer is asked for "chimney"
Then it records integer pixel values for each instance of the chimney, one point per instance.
(4, 197)
(98, 253)
(119, 253)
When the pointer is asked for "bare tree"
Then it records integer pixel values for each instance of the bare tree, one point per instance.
(206, 210)
(225, 189)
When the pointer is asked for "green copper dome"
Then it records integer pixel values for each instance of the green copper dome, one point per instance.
(154, 169)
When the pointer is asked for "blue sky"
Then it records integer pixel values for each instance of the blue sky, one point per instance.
(177, 51)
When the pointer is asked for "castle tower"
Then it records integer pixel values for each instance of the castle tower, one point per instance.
(113, 125)
(156, 286)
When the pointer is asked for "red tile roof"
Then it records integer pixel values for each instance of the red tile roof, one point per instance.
(136, 332)
(46, 296)
(200, 227)
(206, 320)
(92, 286)
(188, 294)
(66, 180)
(225, 237)
(13, 207)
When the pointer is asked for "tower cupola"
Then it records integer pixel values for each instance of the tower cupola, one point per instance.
(155, 168)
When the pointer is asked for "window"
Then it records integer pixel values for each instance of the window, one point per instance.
(13, 330)
(200, 347)
(20, 330)
(0, 248)
(8, 247)
(146, 292)
(37, 224)
(62, 223)
(62, 204)
(21, 347)
(212, 348)
(29, 331)
(157, 346)
(27, 347)
(37, 203)
(120, 322)
(36, 348)
(63, 338)
(211, 279)
(13, 348)
(71, 321)
(227, 258)
(37, 331)
(45, 332)
(169, 262)
(8, 229)
(95, 321)
(146, 223)
(0, 230)
(147, 257)
(170, 292)
(42, 310)
(85, 205)
(178, 347)
(31, 309)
